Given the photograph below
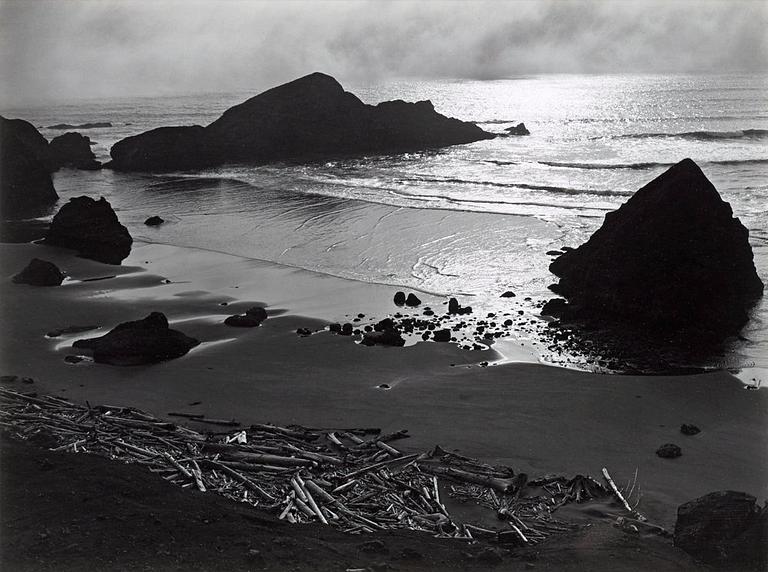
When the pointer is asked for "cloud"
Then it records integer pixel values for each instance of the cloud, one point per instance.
(56, 50)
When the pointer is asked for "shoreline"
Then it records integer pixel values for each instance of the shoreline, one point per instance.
(534, 418)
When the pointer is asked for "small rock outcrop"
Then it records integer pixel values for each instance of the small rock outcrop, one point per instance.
(724, 528)
(389, 337)
(672, 258)
(669, 451)
(519, 129)
(26, 188)
(307, 118)
(412, 300)
(139, 342)
(253, 317)
(64, 126)
(40, 273)
(399, 298)
(154, 221)
(90, 227)
(72, 150)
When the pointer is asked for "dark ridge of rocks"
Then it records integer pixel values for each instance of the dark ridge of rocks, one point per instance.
(145, 341)
(519, 129)
(26, 188)
(63, 126)
(389, 337)
(40, 273)
(307, 118)
(724, 528)
(671, 259)
(253, 317)
(154, 221)
(92, 228)
(72, 150)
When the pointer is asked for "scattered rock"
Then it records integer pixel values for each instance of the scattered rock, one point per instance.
(389, 337)
(154, 221)
(686, 429)
(303, 332)
(72, 150)
(519, 129)
(385, 324)
(384, 386)
(669, 451)
(63, 126)
(346, 329)
(670, 259)
(442, 335)
(726, 528)
(26, 188)
(412, 300)
(40, 273)
(149, 340)
(555, 307)
(308, 117)
(400, 298)
(336, 328)
(243, 321)
(455, 308)
(508, 294)
(90, 227)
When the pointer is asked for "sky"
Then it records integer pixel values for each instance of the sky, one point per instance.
(61, 50)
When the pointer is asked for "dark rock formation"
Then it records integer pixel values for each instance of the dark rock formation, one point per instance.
(442, 335)
(90, 227)
(669, 451)
(519, 129)
(310, 117)
(40, 273)
(72, 150)
(554, 307)
(63, 126)
(508, 294)
(457, 309)
(687, 429)
(390, 337)
(154, 221)
(412, 300)
(725, 528)
(143, 341)
(399, 298)
(253, 317)
(26, 188)
(671, 259)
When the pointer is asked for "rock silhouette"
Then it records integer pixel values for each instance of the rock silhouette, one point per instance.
(40, 273)
(672, 258)
(309, 117)
(72, 150)
(90, 227)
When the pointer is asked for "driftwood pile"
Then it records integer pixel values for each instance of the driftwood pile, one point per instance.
(352, 479)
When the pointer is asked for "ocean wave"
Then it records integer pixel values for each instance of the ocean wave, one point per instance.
(528, 186)
(646, 165)
(700, 135)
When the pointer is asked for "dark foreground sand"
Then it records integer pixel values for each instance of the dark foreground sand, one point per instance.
(534, 418)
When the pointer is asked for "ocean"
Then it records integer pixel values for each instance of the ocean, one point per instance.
(472, 220)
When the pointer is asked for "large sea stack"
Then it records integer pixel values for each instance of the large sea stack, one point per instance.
(309, 117)
(72, 150)
(26, 188)
(672, 258)
(90, 227)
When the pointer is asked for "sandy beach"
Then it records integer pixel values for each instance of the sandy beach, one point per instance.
(535, 418)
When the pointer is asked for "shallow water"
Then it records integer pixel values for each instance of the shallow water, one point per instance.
(471, 220)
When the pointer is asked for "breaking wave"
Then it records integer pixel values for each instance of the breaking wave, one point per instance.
(702, 135)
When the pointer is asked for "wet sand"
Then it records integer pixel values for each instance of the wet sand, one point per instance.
(535, 418)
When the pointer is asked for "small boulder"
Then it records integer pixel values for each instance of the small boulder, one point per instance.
(519, 129)
(442, 335)
(687, 429)
(90, 227)
(253, 317)
(412, 300)
(40, 273)
(145, 341)
(346, 329)
(154, 221)
(669, 451)
(508, 294)
(385, 324)
(726, 528)
(389, 337)
(257, 312)
(555, 307)
(400, 298)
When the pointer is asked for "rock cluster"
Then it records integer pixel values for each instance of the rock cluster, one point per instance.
(309, 117)
(672, 258)
(253, 317)
(90, 227)
(149, 340)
